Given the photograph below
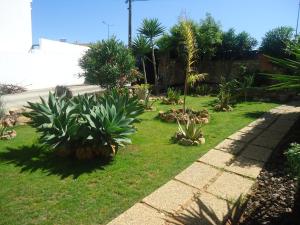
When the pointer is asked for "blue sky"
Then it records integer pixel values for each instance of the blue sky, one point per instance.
(81, 20)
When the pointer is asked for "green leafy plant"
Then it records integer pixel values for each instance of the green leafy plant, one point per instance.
(202, 89)
(173, 97)
(63, 91)
(226, 95)
(245, 85)
(109, 64)
(189, 133)
(142, 90)
(85, 126)
(151, 29)
(293, 158)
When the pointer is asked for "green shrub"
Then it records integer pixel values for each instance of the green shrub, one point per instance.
(109, 64)
(203, 89)
(141, 91)
(63, 91)
(293, 158)
(85, 126)
(226, 95)
(173, 96)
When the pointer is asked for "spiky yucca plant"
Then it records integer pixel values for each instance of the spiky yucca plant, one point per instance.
(190, 55)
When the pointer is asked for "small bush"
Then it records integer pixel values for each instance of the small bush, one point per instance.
(141, 91)
(63, 91)
(173, 97)
(203, 90)
(85, 126)
(226, 95)
(293, 158)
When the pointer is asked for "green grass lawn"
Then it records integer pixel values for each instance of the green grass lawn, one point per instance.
(37, 187)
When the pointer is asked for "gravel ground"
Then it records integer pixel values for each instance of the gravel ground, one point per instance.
(276, 196)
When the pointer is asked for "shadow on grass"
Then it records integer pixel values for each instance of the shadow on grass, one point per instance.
(35, 157)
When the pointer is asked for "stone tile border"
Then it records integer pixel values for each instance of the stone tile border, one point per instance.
(209, 187)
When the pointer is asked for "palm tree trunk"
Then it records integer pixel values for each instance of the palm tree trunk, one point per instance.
(185, 88)
(154, 67)
(144, 68)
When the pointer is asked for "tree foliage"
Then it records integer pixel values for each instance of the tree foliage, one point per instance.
(151, 29)
(209, 36)
(276, 41)
(235, 45)
(108, 63)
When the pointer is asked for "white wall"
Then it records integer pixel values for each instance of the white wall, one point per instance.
(54, 63)
(15, 26)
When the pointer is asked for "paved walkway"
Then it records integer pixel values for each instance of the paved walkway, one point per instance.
(204, 193)
(17, 101)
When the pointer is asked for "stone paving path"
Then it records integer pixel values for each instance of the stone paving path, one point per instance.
(205, 192)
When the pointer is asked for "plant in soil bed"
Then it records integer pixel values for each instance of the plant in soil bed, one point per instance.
(173, 97)
(189, 134)
(6, 124)
(226, 95)
(173, 115)
(85, 126)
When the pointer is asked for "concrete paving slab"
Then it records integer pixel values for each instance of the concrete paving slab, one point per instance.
(253, 130)
(282, 125)
(257, 153)
(205, 210)
(197, 175)
(139, 214)
(217, 158)
(171, 197)
(262, 122)
(246, 167)
(230, 186)
(230, 146)
(268, 139)
(241, 136)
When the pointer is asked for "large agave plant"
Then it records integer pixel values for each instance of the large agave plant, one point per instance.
(189, 134)
(130, 105)
(190, 130)
(85, 125)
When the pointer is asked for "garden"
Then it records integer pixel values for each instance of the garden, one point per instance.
(86, 159)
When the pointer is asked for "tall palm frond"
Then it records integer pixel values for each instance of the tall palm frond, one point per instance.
(287, 81)
(151, 28)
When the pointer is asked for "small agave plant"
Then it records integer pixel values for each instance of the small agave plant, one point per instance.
(189, 134)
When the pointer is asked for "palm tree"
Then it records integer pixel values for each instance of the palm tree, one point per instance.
(152, 28)
(140, 48)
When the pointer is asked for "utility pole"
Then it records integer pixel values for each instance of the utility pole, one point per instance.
(129, 23)
(130, 20)
(297, 20)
